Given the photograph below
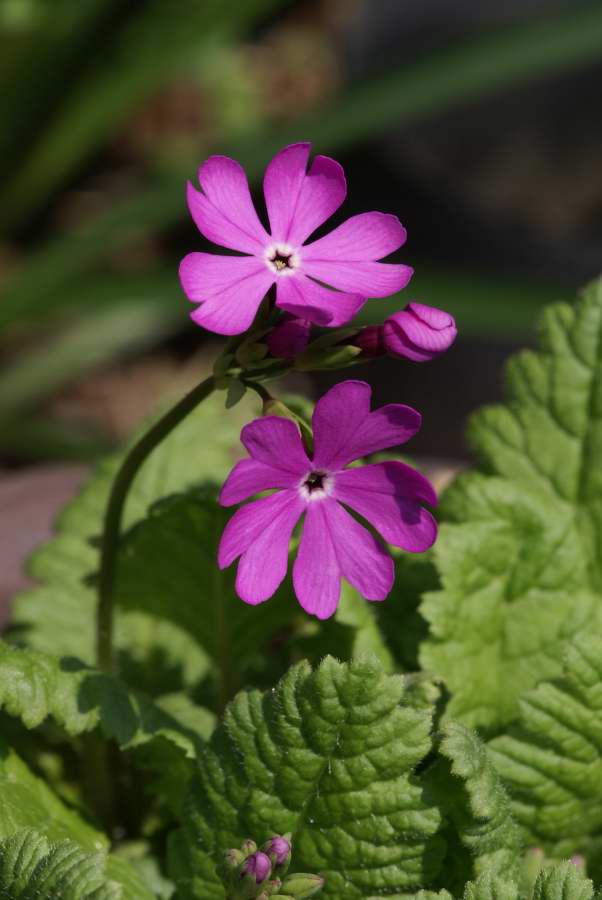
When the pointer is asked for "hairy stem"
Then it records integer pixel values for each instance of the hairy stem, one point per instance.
(114, 514)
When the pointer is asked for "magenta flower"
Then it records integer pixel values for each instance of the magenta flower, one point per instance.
(389, 495)
(298, 200)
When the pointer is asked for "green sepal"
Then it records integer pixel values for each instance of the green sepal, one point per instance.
(302, 885)
(274, 407)
(315, 360)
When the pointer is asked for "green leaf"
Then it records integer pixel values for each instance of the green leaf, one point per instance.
(58, 616)
(329, 756)
(33, 867)
(35, 686)
(491, 886)
(551, 760)
(562, 882)
(520, 559)
(478, 805)
(27, 802)
(168, 568)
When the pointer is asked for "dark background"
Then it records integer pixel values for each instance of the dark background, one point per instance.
(478, 123)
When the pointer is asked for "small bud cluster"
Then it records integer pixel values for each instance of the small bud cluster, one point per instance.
(252, 873)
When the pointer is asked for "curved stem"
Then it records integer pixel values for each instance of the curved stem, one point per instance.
(114, 513)
(259, 389)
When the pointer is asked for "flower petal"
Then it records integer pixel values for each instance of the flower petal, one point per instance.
(345, 429)
(263, 565)
(250, 521)
(203, 275)
(250, 477)
(230, 289)
(322, 191)
(289, 337)
(276, 441)
(370, 279)
(316, 573)
(366, 237)
(224, 212)
(362, 559)
(282, 182)
(318, 304)
(390, 496)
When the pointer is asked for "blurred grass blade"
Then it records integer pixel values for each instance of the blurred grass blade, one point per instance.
(158, 41)
(511, 56)
(104, 335)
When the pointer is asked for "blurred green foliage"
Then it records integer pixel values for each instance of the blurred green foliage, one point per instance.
(86, 269)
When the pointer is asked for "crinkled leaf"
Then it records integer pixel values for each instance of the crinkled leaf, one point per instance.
(552, 760)
(33, 868)
(329, 756)
(520, 559)
(35, 686)
(58, 616)
(168, 567)
(472, 795)
(491, 886)
(562, 882)
(26, 801)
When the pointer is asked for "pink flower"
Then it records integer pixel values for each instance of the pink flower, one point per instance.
(389, 495)
(298, 200)
(419, 332)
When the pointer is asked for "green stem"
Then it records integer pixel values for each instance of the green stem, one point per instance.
(114, 513)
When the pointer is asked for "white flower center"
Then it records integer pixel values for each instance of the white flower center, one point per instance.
(316, 485)
(282, 259)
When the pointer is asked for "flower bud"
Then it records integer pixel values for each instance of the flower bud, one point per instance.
(279, 850)
(248, 847)
(233, 859)
(419, 332)
(578, 861)
(302, 885)
(258, 865)
(289, 337)
(370, 340)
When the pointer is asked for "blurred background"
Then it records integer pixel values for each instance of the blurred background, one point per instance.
(477, 122)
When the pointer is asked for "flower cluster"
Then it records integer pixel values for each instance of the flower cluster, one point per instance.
(312, 283)
(252, 874)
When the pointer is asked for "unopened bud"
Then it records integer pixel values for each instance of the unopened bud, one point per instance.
(289, 337)
(419, 332)
(578, 861)
(302, 885)
(278, 849)
(233, 859)
(258, 865)
(370, 341)
(248, 847)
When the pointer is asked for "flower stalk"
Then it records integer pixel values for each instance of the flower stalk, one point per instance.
(114, 514)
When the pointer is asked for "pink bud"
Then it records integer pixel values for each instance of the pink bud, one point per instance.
(288, 338)
(419, 332)
(258, 864)
(278, 847)
(370, 339)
